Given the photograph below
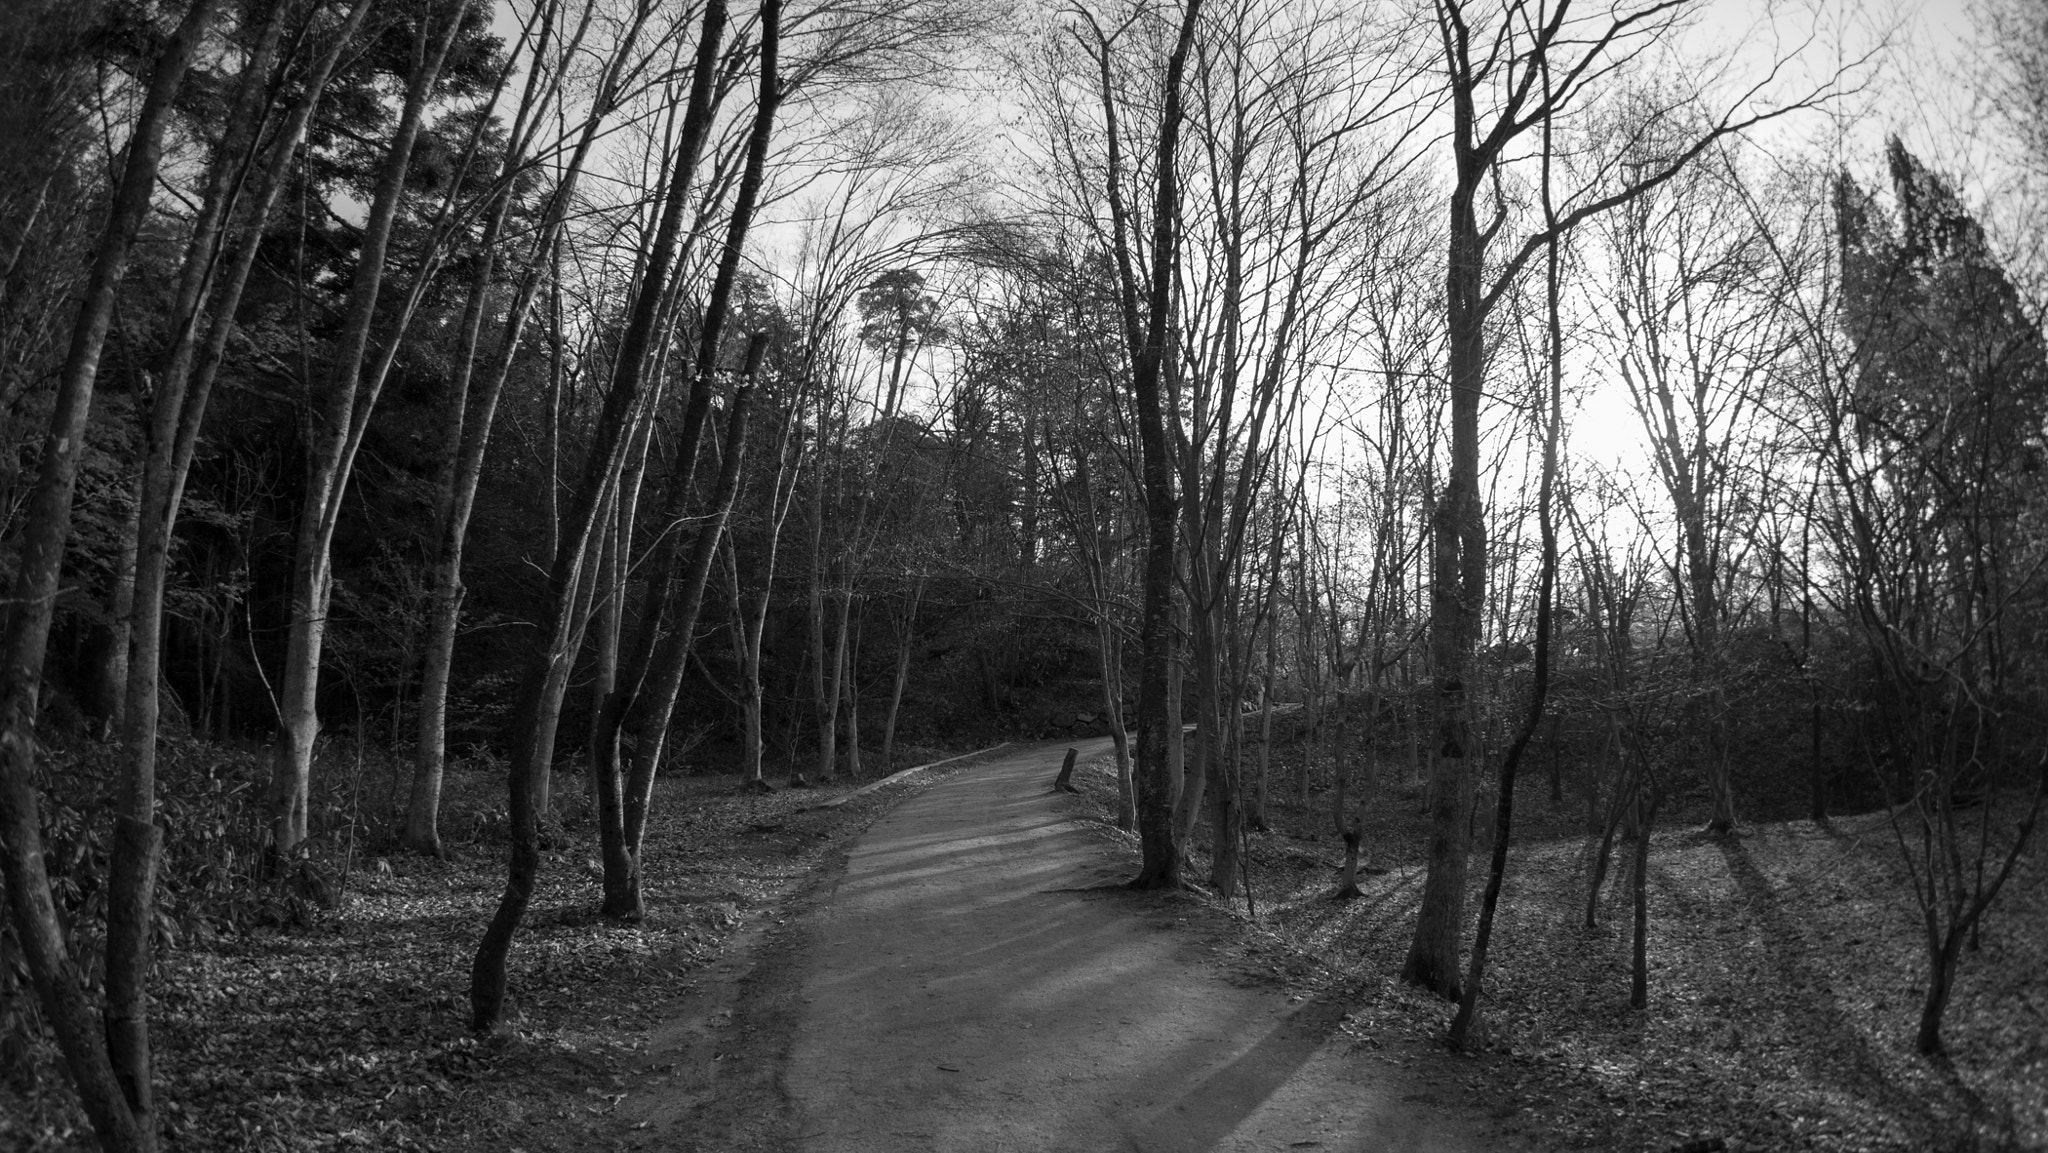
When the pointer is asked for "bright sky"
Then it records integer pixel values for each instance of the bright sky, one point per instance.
(1920, 96)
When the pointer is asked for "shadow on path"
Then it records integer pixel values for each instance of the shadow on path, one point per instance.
(970, 983)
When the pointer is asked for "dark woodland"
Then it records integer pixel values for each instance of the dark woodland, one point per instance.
(1521, 527)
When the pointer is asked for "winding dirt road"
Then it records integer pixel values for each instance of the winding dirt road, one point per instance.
(974, 983)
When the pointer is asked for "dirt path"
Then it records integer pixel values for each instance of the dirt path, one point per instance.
(970, 983)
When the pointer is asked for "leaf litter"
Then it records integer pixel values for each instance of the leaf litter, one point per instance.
(351, 1032)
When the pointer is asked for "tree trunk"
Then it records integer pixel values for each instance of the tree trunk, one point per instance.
(175, 416)
(672, 659)
(108, 699)
(824, 707)
(607, 786)
(1458, 591)
(1258, 814)
(1624, 801)
(1177, 733)
(906, 642)
(1639, 973)
(1226, 831)
(470, 420)
(109, 1068)
(652, 710)
(1160, 848)
(749, 620)
(1551, 737)
(1112, 658)
(1195, 781)
(849, 686)
(331, 435)
(834, 697)
(1546, 597)
(548, 661)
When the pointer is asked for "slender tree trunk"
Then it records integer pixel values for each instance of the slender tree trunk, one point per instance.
(109, 702)
(175, 416)
(906, 642)
(1258, 815)
(652, 725)
(546, 672)
(1639, 973)
(652, 711)
(1551, 738)
(824, 667)
(331, 434)
(106, 1054)
(1195, 782)
(1943, 951)
(1226, 831)
(607, 785)
(1625, 801)
(750, 616)
(1113, 708)
(1817, 796)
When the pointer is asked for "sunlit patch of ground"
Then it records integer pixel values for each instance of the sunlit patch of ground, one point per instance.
(1786, 970)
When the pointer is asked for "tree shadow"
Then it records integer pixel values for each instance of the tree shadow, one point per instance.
(1842, 1055)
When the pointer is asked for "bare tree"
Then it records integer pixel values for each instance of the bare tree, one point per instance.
(545, 678)
(1694, 338)
(1926, 419)
(471, 406)
(335, 416)
(1149, 341)
(1492, 68)
(106, 1052)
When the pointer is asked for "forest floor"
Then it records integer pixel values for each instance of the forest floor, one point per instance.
(347, 1028)
(1785, 970)
(1785, 962)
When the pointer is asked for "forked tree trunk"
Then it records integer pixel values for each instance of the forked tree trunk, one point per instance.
(470, 420)
(651, 712)
(175, 415)
(624, 897)
(107, 1052)
(1546, 599)
(645, 700)
(1624, 801)
(749, 618)
(332, 434)
(546, 673)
